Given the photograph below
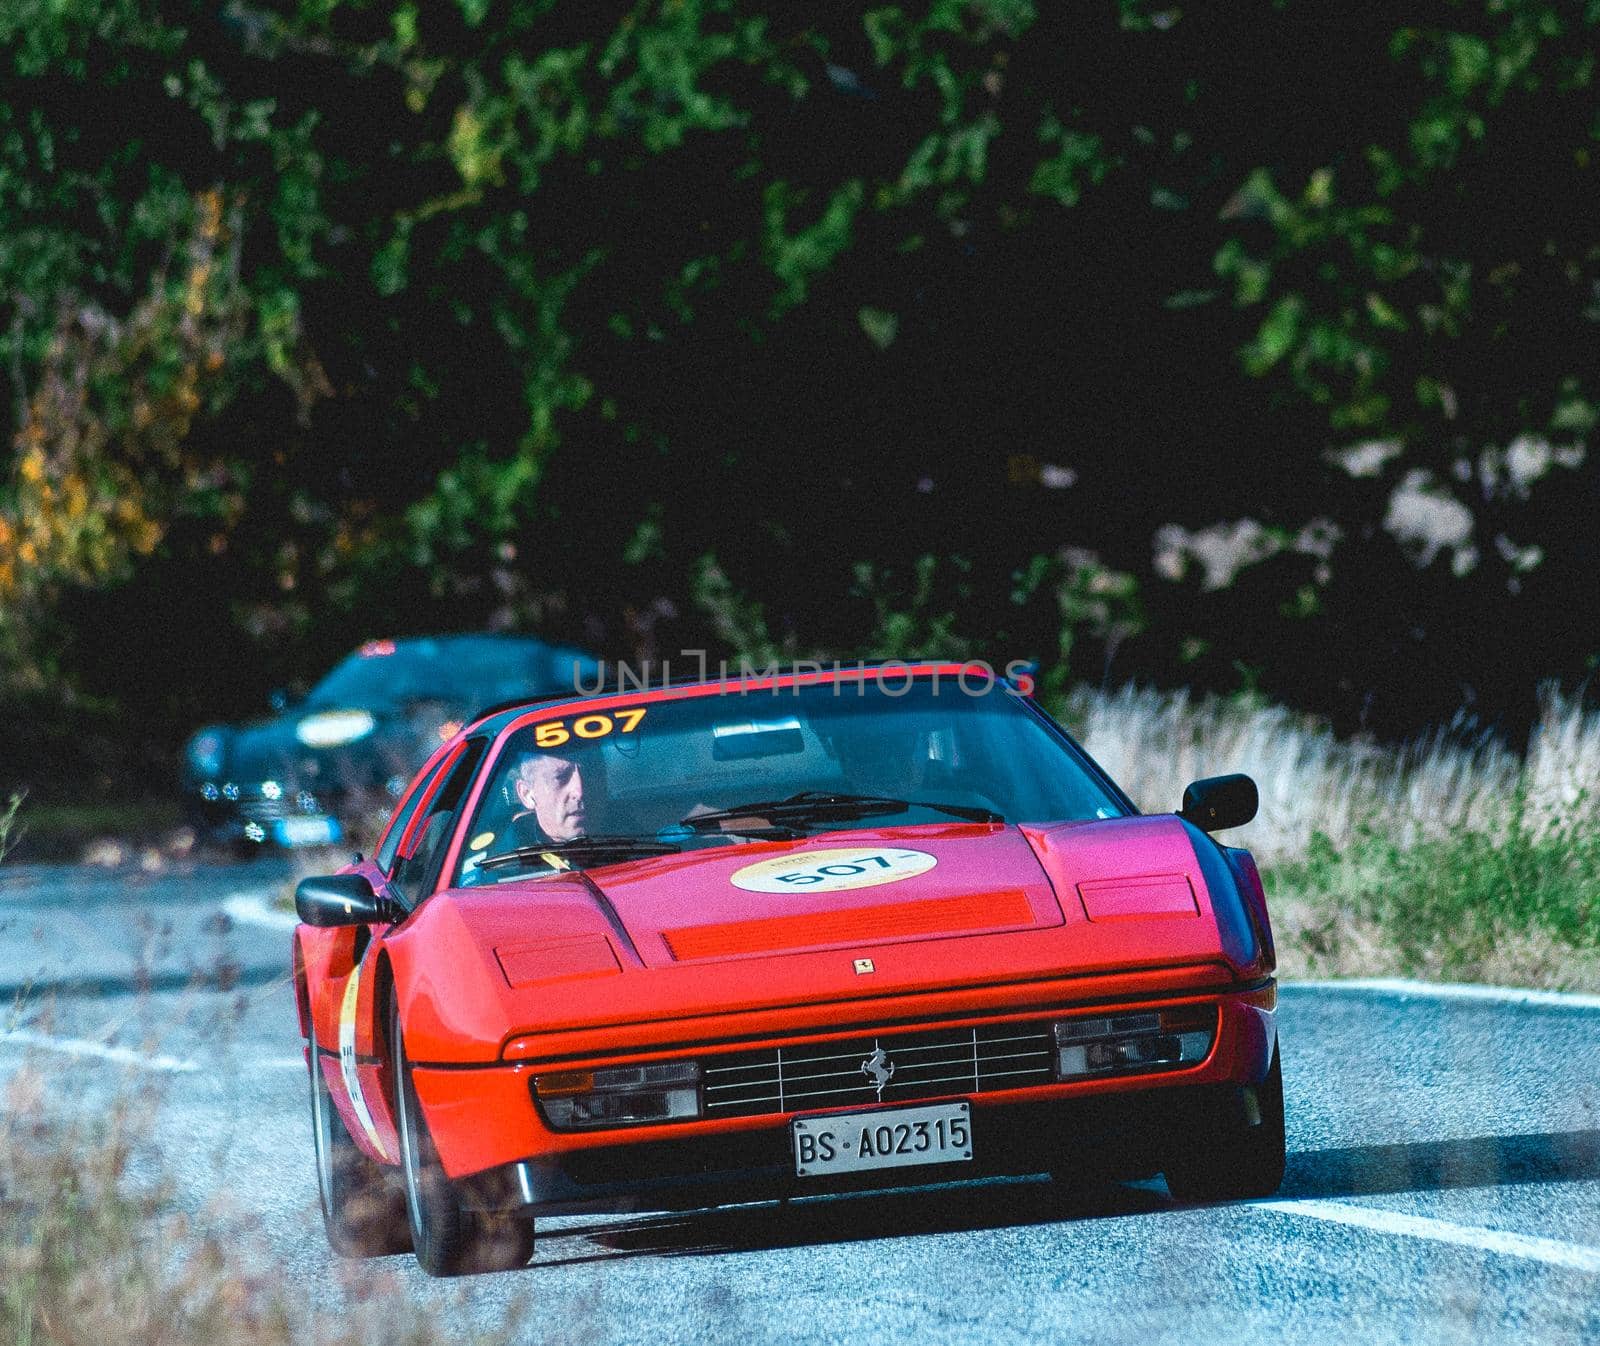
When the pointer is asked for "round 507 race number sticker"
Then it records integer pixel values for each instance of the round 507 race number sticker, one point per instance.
(830, 871)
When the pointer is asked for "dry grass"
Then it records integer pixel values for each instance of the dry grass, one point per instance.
(1154, 743)
(93, 1251)
(8, 824)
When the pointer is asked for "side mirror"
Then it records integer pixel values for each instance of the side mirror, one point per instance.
(1220, 802)
(343, 899)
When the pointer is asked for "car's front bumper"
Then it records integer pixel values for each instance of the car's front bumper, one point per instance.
(486, 1125)
(1085, 1140)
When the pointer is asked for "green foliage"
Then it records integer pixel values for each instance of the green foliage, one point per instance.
(1446, 906)
(1079, 161)
(910, 616)
(918, 612)
(429, 313)
(809, 249)
(739, 623)
(1378, 283)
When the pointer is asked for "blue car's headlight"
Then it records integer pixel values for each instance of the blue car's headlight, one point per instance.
(333, 728)
(205, 752)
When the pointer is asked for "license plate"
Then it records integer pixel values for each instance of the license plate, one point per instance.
(306, 831)
(852, 1142)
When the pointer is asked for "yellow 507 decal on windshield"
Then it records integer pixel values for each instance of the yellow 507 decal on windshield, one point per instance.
(553, 733)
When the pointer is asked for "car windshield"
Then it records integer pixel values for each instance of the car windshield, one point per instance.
(729, 767)
(466, 673)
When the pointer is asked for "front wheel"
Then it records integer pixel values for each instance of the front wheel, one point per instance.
(363, 1208)
(1232, 1151)
(450, 1238)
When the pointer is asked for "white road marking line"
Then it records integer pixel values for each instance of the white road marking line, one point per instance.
(1504, 995)
(253, 908)
(99, 1051)
(1554, 1252)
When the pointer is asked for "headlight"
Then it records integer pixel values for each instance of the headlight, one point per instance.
(332, 728)
(1134, 1042)
(205, 753)
(620, 1096)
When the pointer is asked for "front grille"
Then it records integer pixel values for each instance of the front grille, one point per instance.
(925, 1065)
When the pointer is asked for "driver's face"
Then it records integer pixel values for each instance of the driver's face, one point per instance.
(553, 788)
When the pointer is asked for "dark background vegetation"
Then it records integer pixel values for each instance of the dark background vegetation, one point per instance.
(1248, 346)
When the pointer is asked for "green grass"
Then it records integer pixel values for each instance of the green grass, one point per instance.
(1457, 905)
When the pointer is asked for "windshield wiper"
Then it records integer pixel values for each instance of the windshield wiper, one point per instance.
(821, 806)
(583, 848)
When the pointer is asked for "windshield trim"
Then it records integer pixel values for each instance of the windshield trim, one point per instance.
(741, 686)
(567, 706)
(1081, 755)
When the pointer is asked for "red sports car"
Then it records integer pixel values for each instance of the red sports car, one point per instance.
(777, 935)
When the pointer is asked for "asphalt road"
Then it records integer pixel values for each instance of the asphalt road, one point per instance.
(1443, 1184)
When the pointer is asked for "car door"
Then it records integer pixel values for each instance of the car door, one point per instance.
(410, 872)
(330, 960)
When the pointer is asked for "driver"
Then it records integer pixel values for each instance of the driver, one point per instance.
(551, 792)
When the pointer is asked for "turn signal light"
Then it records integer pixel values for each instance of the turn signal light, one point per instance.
(565, 1084)
(574, 1100)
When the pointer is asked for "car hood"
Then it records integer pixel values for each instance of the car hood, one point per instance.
(697, 933)
(838, 890)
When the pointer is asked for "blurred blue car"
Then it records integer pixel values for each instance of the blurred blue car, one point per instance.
(329, 766)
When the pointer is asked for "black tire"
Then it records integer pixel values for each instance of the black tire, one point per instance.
(363, 1205)
(449, 1237)
(1223, 1156)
